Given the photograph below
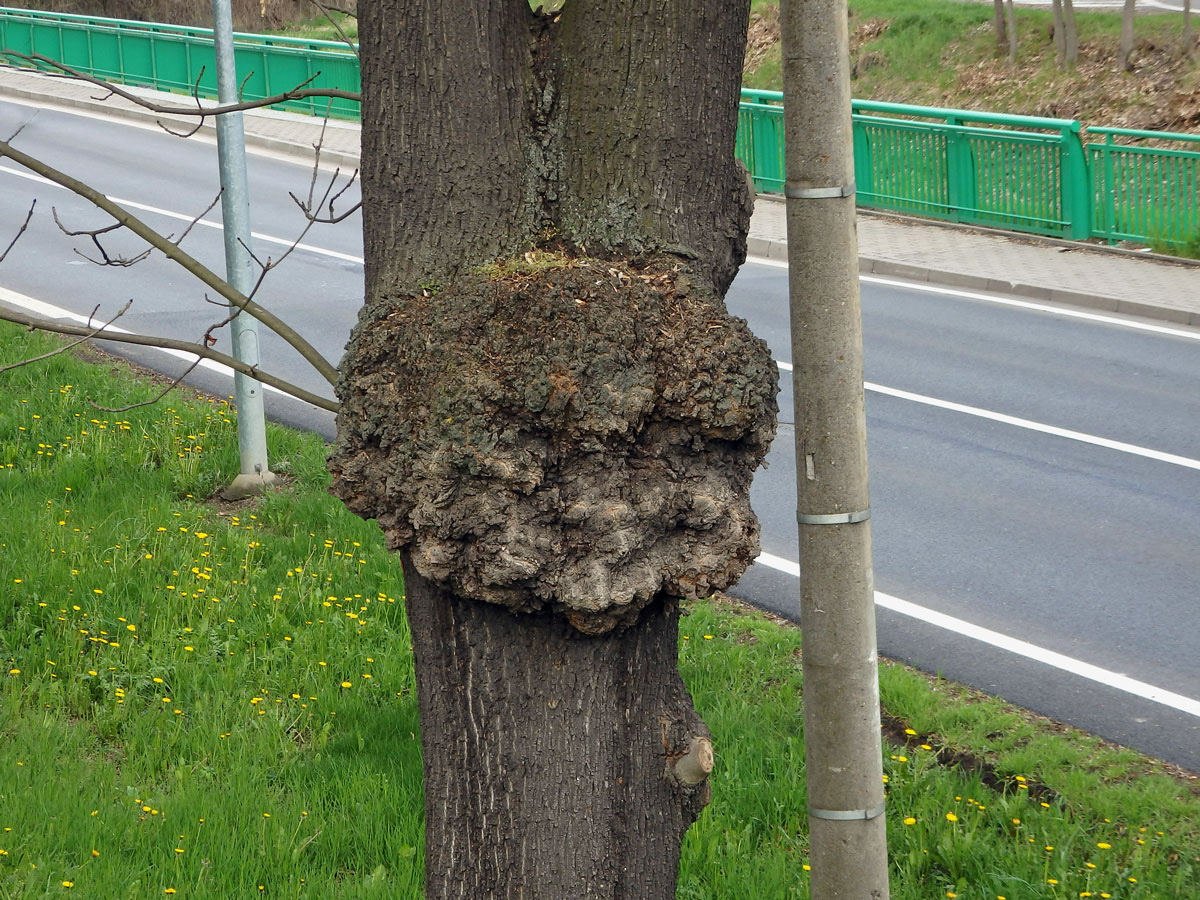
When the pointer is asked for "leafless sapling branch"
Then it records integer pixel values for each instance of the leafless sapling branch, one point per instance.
(94, 234)
(327, 11)
(177, 255)
(166, 343)
(199, 106)
(300, 92)
(20, 231)
(175, 382)
(192, 224)
(73, 344)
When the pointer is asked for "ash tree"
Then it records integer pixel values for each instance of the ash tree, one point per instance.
(553, 418)
(548, 410)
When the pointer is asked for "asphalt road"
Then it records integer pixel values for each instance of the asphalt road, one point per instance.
(1054, 570)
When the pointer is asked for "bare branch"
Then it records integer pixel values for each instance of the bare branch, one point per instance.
(327, 12)
(311, 211)
(300, 92)
(237, 365)
(123, 262)
(199, 106)
(73, 344)
(20, 231)
(170, 387)
(177, 255)
(192, 224)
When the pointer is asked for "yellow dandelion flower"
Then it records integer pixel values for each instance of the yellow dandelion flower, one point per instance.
(168, 890)
(346, 684)
(68, 884)
(1104, 845)
(951, 817)
(910, 821)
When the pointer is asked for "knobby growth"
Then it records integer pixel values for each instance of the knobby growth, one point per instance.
(551, 414)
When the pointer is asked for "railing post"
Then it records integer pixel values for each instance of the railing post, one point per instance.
(864, 164)
(1076, 185)
(960, 173)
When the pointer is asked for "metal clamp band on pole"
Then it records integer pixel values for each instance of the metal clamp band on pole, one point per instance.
(834, 518)
(848, 815)
(819, 193)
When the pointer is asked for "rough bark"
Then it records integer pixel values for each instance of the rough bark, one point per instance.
(578, 438)
(553, 780)
(551, 415)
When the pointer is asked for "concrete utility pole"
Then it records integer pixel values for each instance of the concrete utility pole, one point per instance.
(847, 839)
(256, 474)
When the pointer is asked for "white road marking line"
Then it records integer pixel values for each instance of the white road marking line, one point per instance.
(1120, 446)
(50, 311)
(1028, 424)
(1064, 311)
(1106, 677)
(133, 204)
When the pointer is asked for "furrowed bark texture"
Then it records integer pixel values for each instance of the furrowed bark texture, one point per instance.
(554, 780)
(552, 416)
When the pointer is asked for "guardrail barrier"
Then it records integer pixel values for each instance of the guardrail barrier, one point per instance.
(1021, 173)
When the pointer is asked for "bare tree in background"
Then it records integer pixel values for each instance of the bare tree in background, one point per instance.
(1128, 12)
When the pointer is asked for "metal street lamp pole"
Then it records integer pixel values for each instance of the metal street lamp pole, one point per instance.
(255, 474)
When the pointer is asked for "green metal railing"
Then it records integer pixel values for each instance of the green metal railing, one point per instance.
(1145, 192)
(178, 58)
(1021, 173)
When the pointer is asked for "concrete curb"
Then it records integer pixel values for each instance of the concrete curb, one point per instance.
(768, 248)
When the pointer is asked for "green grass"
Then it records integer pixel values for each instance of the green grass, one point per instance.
(184, 700)
(944, 53)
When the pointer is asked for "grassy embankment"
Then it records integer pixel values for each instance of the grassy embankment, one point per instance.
(944, 53)
(216, 701)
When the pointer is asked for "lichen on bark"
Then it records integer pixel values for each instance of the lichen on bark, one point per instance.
(577, 439)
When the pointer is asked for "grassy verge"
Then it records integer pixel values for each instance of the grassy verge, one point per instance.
(216, 701)
(944, 53)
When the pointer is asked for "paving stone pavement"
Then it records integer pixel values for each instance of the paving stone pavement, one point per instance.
(1053, 271)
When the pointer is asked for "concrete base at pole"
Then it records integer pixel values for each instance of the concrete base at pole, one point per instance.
(250, 485)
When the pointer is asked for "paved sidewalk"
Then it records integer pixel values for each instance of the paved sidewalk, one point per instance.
(1054, 271)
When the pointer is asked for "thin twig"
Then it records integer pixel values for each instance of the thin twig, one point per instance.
(328, 12)
(300, 92)
(192, 224)
(73, 344)
(123, 262)
(20, 231)
(179, 256)
(166, 343)
(200, 106)
(170, 387)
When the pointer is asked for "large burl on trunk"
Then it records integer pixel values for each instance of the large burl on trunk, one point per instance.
(553, 418)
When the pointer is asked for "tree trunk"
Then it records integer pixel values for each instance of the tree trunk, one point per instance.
(999, 23)
(552, 417)
(1127, 34)
(1012, 31)
(1187, 28)
(1059, 32)
(553, 779)
(1070, 33)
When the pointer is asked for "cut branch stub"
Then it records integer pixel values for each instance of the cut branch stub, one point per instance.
(576, 439)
